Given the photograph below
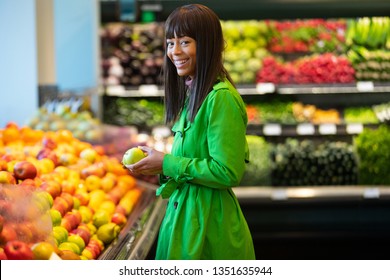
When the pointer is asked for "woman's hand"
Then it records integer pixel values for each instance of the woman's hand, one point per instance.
(150, 165)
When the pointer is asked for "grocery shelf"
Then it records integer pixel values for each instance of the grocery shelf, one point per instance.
(315, 193)
(262, 88)
(307, 129)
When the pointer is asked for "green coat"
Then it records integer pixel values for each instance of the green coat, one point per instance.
(203, 218)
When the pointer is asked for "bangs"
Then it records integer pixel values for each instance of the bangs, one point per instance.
(180, 23)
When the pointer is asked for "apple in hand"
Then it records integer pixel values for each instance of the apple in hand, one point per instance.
(25, 170)
(132, 156)
(18, 250)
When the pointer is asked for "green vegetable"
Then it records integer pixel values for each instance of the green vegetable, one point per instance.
(373, 149)
(258, 170)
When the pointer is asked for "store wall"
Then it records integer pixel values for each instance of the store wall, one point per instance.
(72, 65)
(76, 44)
(18, 62)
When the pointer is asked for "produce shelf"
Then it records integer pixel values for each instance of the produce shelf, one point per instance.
(262, 88)
(138, 236)
(307, 129)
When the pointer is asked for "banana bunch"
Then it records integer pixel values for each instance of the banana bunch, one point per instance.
(373, 33)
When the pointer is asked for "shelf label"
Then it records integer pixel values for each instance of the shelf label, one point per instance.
(272, 129)
(115, 90)
(327, 129)
(354, 128)
(371, 193)
(365, 86)
(305, 129)
(263, 88)
(279, 194)
(148, 90)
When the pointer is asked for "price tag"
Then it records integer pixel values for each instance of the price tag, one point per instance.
(115, 90)
(354, 128)
(279, 194)
(365, 86)
(327, 129)
(371, 193)
(272, 129)
(148, 90)
(263, 88)
(305, 129)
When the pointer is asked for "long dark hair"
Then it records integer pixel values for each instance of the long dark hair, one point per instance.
(203, 25)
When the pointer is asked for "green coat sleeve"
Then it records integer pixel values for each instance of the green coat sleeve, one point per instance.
(223, 167)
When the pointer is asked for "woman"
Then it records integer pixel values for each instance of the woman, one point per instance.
(203, 219)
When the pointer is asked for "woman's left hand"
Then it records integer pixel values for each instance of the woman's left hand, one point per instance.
(150, 165)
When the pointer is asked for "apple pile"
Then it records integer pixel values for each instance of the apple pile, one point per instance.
(72, 199)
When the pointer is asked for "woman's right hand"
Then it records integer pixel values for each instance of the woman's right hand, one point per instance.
(150, 165)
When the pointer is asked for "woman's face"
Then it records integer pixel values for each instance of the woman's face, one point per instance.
(182, 52)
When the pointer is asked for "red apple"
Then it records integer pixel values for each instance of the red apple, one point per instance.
(23, 232)
(1, 223)
(83, 197)
(28, 182)
(18, 250)
(6, 208)
(89, 252)
(52, 187)
(25, 170)
(69, 199)
(120, 209)
(7, 234)
(61, 205)
(85, 234)
(119, 219)
(47, 153)
(3, 256)
(7, 178)
(49, 143)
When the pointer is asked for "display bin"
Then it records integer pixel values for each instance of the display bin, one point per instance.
(138, 236)
(338, 222)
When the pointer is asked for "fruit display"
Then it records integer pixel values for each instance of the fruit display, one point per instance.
(82, 196)
(373, 148)
(326, 68)
(303, 163)
(373, 33)
(72, 114)
(370, 65)
(245, 48)
(132, 54)
(307, 35)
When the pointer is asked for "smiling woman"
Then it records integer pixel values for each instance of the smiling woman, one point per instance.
(203, 218)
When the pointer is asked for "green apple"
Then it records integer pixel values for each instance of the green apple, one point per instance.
(55, 217)
(132, 156)
(70, 246)
(60, 234)
(78, 240)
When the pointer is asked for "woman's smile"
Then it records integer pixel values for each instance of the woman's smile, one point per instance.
(182, 52)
